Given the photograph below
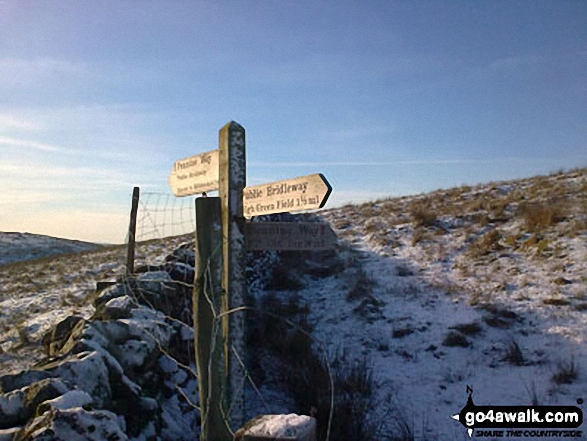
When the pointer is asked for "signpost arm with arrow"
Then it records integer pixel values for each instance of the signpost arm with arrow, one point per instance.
(225, 170)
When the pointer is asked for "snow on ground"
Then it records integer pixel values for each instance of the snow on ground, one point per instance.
(419, 376)
(16, 247)
(482, 286)
(527, 301)
(34, 295)
(280, 426)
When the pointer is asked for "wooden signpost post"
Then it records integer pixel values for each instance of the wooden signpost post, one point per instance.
(231, 145)
(225, 170)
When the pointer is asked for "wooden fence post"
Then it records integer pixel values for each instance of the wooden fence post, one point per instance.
(132, 229)
(208, 330)
(232, 165)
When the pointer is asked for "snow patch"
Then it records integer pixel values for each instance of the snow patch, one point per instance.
(279, 426)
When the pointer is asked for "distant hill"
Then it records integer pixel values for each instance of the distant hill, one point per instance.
(423, 296)
(17, 247)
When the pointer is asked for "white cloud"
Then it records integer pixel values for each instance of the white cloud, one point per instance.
(21, 144)
(359, 132)
(23, 71)
(34, 188)
(10, 201)
(55, 171)
(374, 163)
(322, 68)
(516, 62)
(28, 144)
(9, 121)
(117, 132)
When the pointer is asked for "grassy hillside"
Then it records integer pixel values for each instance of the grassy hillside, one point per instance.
(424, 295)
(16, 247)
(38, 293)
(520, 239)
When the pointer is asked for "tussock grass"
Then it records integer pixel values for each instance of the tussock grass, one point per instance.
(422, 217)
(307, 374)
(567, 372)
(455, 339)
(402, 332)
(540, 216)
(556, 301)
(485, 244)
(418, 236)
(361, 286)
(513, 354)
(470, 329)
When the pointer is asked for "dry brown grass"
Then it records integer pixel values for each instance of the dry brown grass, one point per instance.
(485, 244)
(540, 216)
(373, 226)
(422, 217)
(576, 228)
(556, 301)
(511, 240)
(418, 235)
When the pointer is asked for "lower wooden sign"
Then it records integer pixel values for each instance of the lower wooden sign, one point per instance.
(289, 236)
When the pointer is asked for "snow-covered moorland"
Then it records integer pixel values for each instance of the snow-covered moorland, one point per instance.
(482, 286)
(16, 247)
(37, 294)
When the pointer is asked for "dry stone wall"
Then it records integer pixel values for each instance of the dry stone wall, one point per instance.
(125, 373)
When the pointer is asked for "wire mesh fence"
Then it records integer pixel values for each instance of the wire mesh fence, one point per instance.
(160, 292)
(164, 280)
(163, 223)
(163, 215)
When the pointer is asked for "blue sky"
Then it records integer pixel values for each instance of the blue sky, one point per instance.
(384, 98)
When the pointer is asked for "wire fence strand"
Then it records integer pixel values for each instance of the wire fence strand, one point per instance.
(162, 216)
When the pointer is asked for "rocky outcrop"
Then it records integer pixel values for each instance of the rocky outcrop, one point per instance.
(74, 423)
(122, 374)
(127, 372)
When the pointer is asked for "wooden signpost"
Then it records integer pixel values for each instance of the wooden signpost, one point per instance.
(288, 236)
(225, 170)
(231, 145)
(303, 193)
(195, 174)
